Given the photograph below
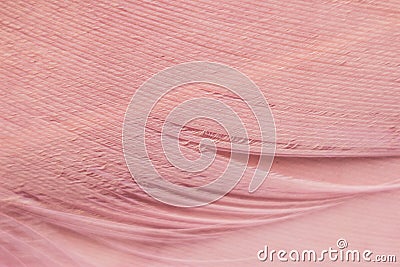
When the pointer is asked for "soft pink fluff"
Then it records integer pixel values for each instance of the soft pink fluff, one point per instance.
(329, 70)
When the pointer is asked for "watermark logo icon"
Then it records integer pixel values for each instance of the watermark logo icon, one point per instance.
(341, 243)
(157, 87)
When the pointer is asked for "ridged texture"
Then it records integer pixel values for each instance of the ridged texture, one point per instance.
(330, 71)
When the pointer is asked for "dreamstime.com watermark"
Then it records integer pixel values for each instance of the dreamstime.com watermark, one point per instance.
(157, 87)
(340, 253)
